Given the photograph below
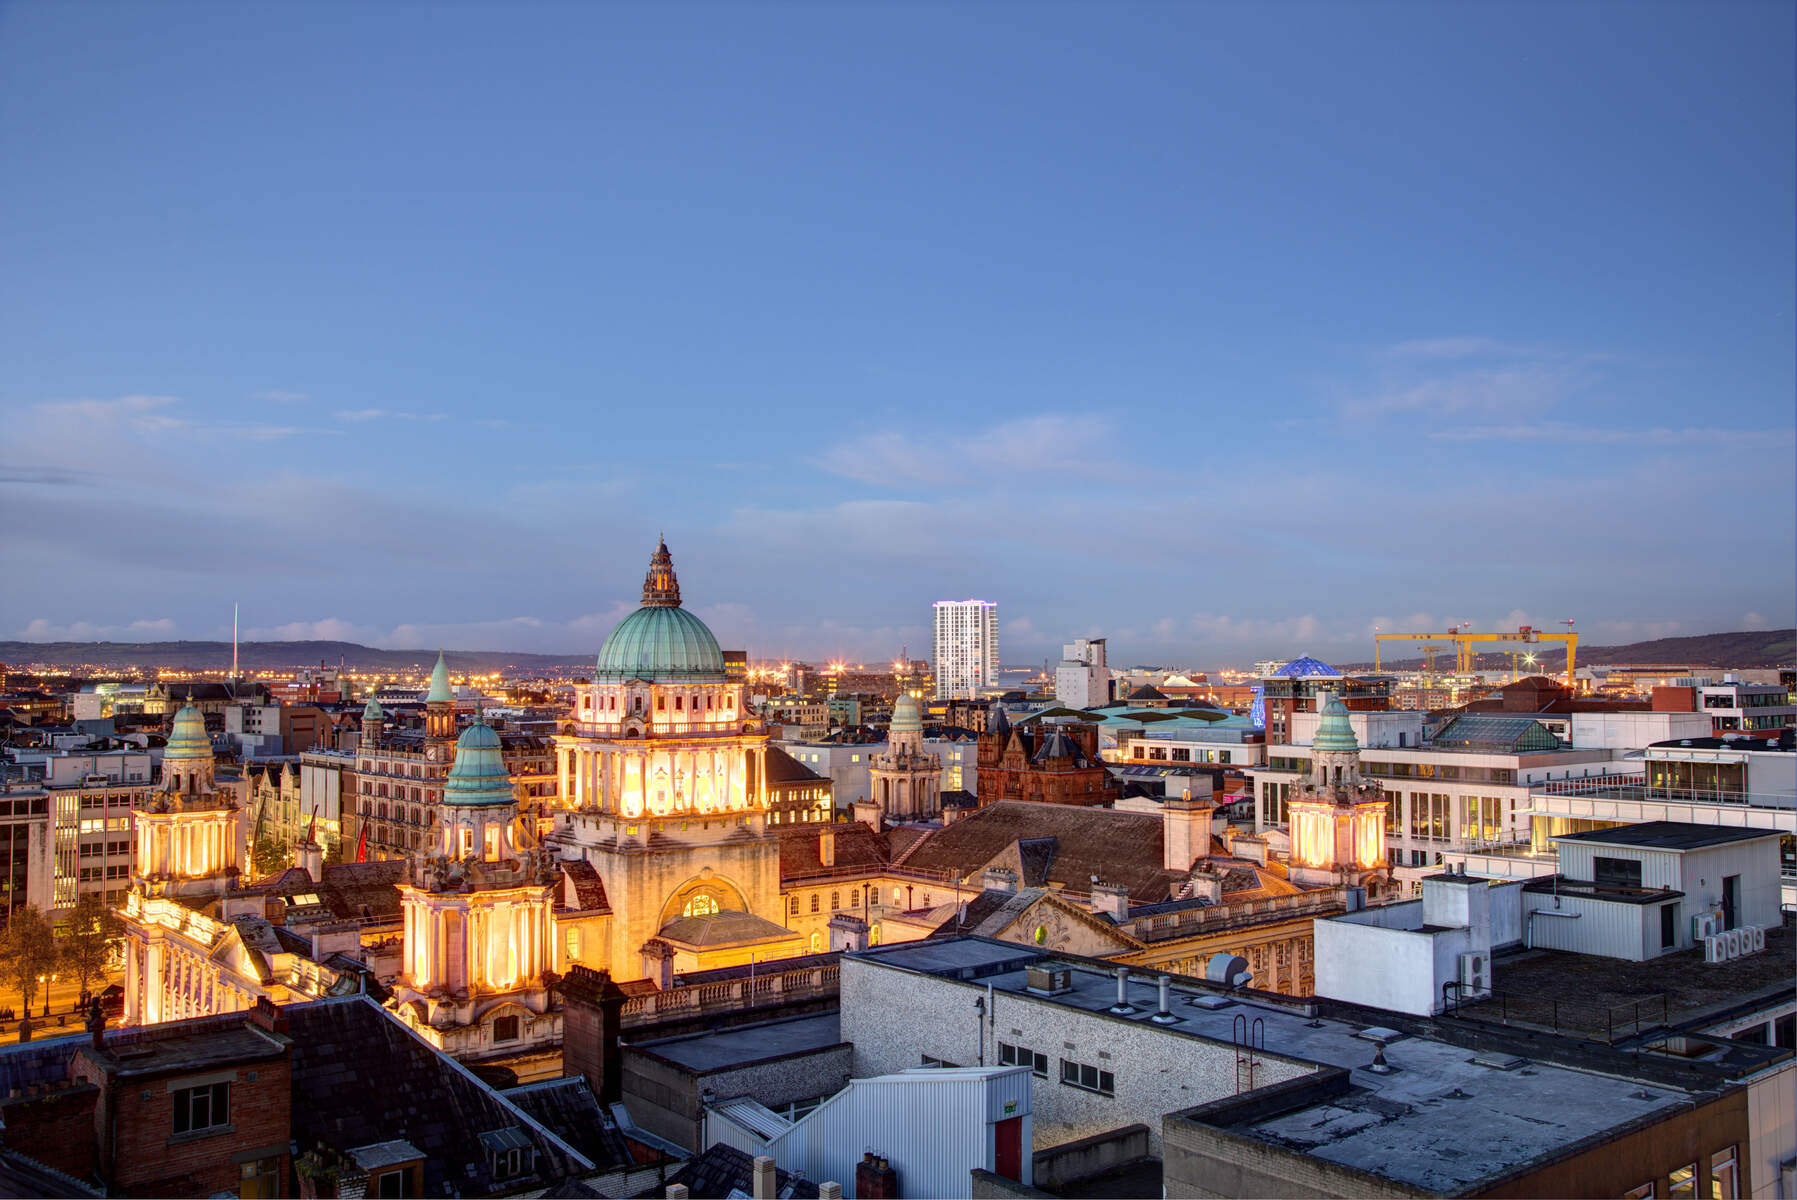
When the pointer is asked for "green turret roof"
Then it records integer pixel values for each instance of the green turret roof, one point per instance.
(372, 710)
(440, 693)
(479, 775)
(187, 737)
(1333, 731)
(905, 715)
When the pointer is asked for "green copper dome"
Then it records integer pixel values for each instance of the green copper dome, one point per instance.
(660, 641)
(479, 775)
(440, 692)
(905, 716)
(1333, 731)
(187, 737)
(372, 710)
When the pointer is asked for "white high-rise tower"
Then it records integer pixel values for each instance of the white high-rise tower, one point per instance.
(966, 648)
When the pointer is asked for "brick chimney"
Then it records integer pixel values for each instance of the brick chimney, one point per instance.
(875, 1179)
(592, 1017)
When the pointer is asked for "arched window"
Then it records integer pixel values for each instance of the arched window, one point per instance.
(702, 904)
(814, 901)
(817, 941)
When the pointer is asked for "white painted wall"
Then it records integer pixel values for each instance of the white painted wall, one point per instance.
(1378, 965)
(1635, 730)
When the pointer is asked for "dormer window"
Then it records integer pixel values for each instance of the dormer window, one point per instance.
(510, 1153)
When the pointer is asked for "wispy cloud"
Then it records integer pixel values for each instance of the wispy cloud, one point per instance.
(357, 415)
(1053, 444)
(1556, 432)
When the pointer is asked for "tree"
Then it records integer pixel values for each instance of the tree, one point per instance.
(268, 855)
(27, 950)
(92, 938)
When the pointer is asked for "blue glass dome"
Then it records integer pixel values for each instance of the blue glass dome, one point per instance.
(1305, 667)
(479, 775)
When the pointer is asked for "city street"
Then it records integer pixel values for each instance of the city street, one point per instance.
(63, 1015)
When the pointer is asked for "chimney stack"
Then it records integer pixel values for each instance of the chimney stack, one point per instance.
(765, 1187)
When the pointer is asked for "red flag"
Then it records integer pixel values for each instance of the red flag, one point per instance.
(362, 844)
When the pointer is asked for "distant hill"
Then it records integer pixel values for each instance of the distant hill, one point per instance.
(1744, 650)
(260, 656)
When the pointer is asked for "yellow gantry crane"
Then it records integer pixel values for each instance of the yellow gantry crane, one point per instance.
(1463, 642)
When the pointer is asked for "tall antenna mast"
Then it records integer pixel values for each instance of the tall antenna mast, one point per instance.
(233, 643)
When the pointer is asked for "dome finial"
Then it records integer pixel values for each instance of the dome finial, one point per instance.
(661, 589)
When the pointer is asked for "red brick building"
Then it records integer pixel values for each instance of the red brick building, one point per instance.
(1050, 763)
(193, 1108)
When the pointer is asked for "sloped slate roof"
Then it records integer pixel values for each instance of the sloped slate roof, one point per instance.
(1119, 847)
(784, 768)
(361, 1077)
(589, 888)
(722, 1170)
(568, 1108)
(856, 846)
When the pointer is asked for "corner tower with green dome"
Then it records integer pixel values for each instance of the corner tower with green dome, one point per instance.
(478, 903)
(906, 780)
(1338, 818)
(664, 777)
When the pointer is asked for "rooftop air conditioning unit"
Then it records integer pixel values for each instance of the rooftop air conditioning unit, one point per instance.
(1475, 974)
(1705, 925)
(1715, 950)
(1732, 940)
(1758, 933)
(1048, 981)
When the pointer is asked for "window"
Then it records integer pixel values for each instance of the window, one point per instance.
(1683, 1181)
(928, 1061)
(1644, 1192)
(1023, 1056)
(1725, 1178)
(394, 1185)
(505, 1029)
(574, 943)
(198, 1108)
(702, 904)
(835, 901)
(814, 901)
(1087, 1077)
(1615, 872)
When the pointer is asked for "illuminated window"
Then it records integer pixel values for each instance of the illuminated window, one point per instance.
(1725, 1178)
(702, 904)
(1683, 1181)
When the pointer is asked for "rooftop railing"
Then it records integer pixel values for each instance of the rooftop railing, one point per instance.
(1636, 788)
(747, 991)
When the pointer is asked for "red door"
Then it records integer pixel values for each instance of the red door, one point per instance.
(1010, 1149)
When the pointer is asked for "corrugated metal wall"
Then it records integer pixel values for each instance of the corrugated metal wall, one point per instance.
(933, 1125)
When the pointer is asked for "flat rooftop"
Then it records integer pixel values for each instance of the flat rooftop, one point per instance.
(1583, 992)
(743, 1044)
(1667, 835)
(1409, 1125)
(188, 1049)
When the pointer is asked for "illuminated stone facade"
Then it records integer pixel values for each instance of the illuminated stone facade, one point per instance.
(479, 924)
(189, 846)
(665, 774)
(906, 780)
(1338, 817)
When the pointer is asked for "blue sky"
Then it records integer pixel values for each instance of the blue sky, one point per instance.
(1224, 330)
